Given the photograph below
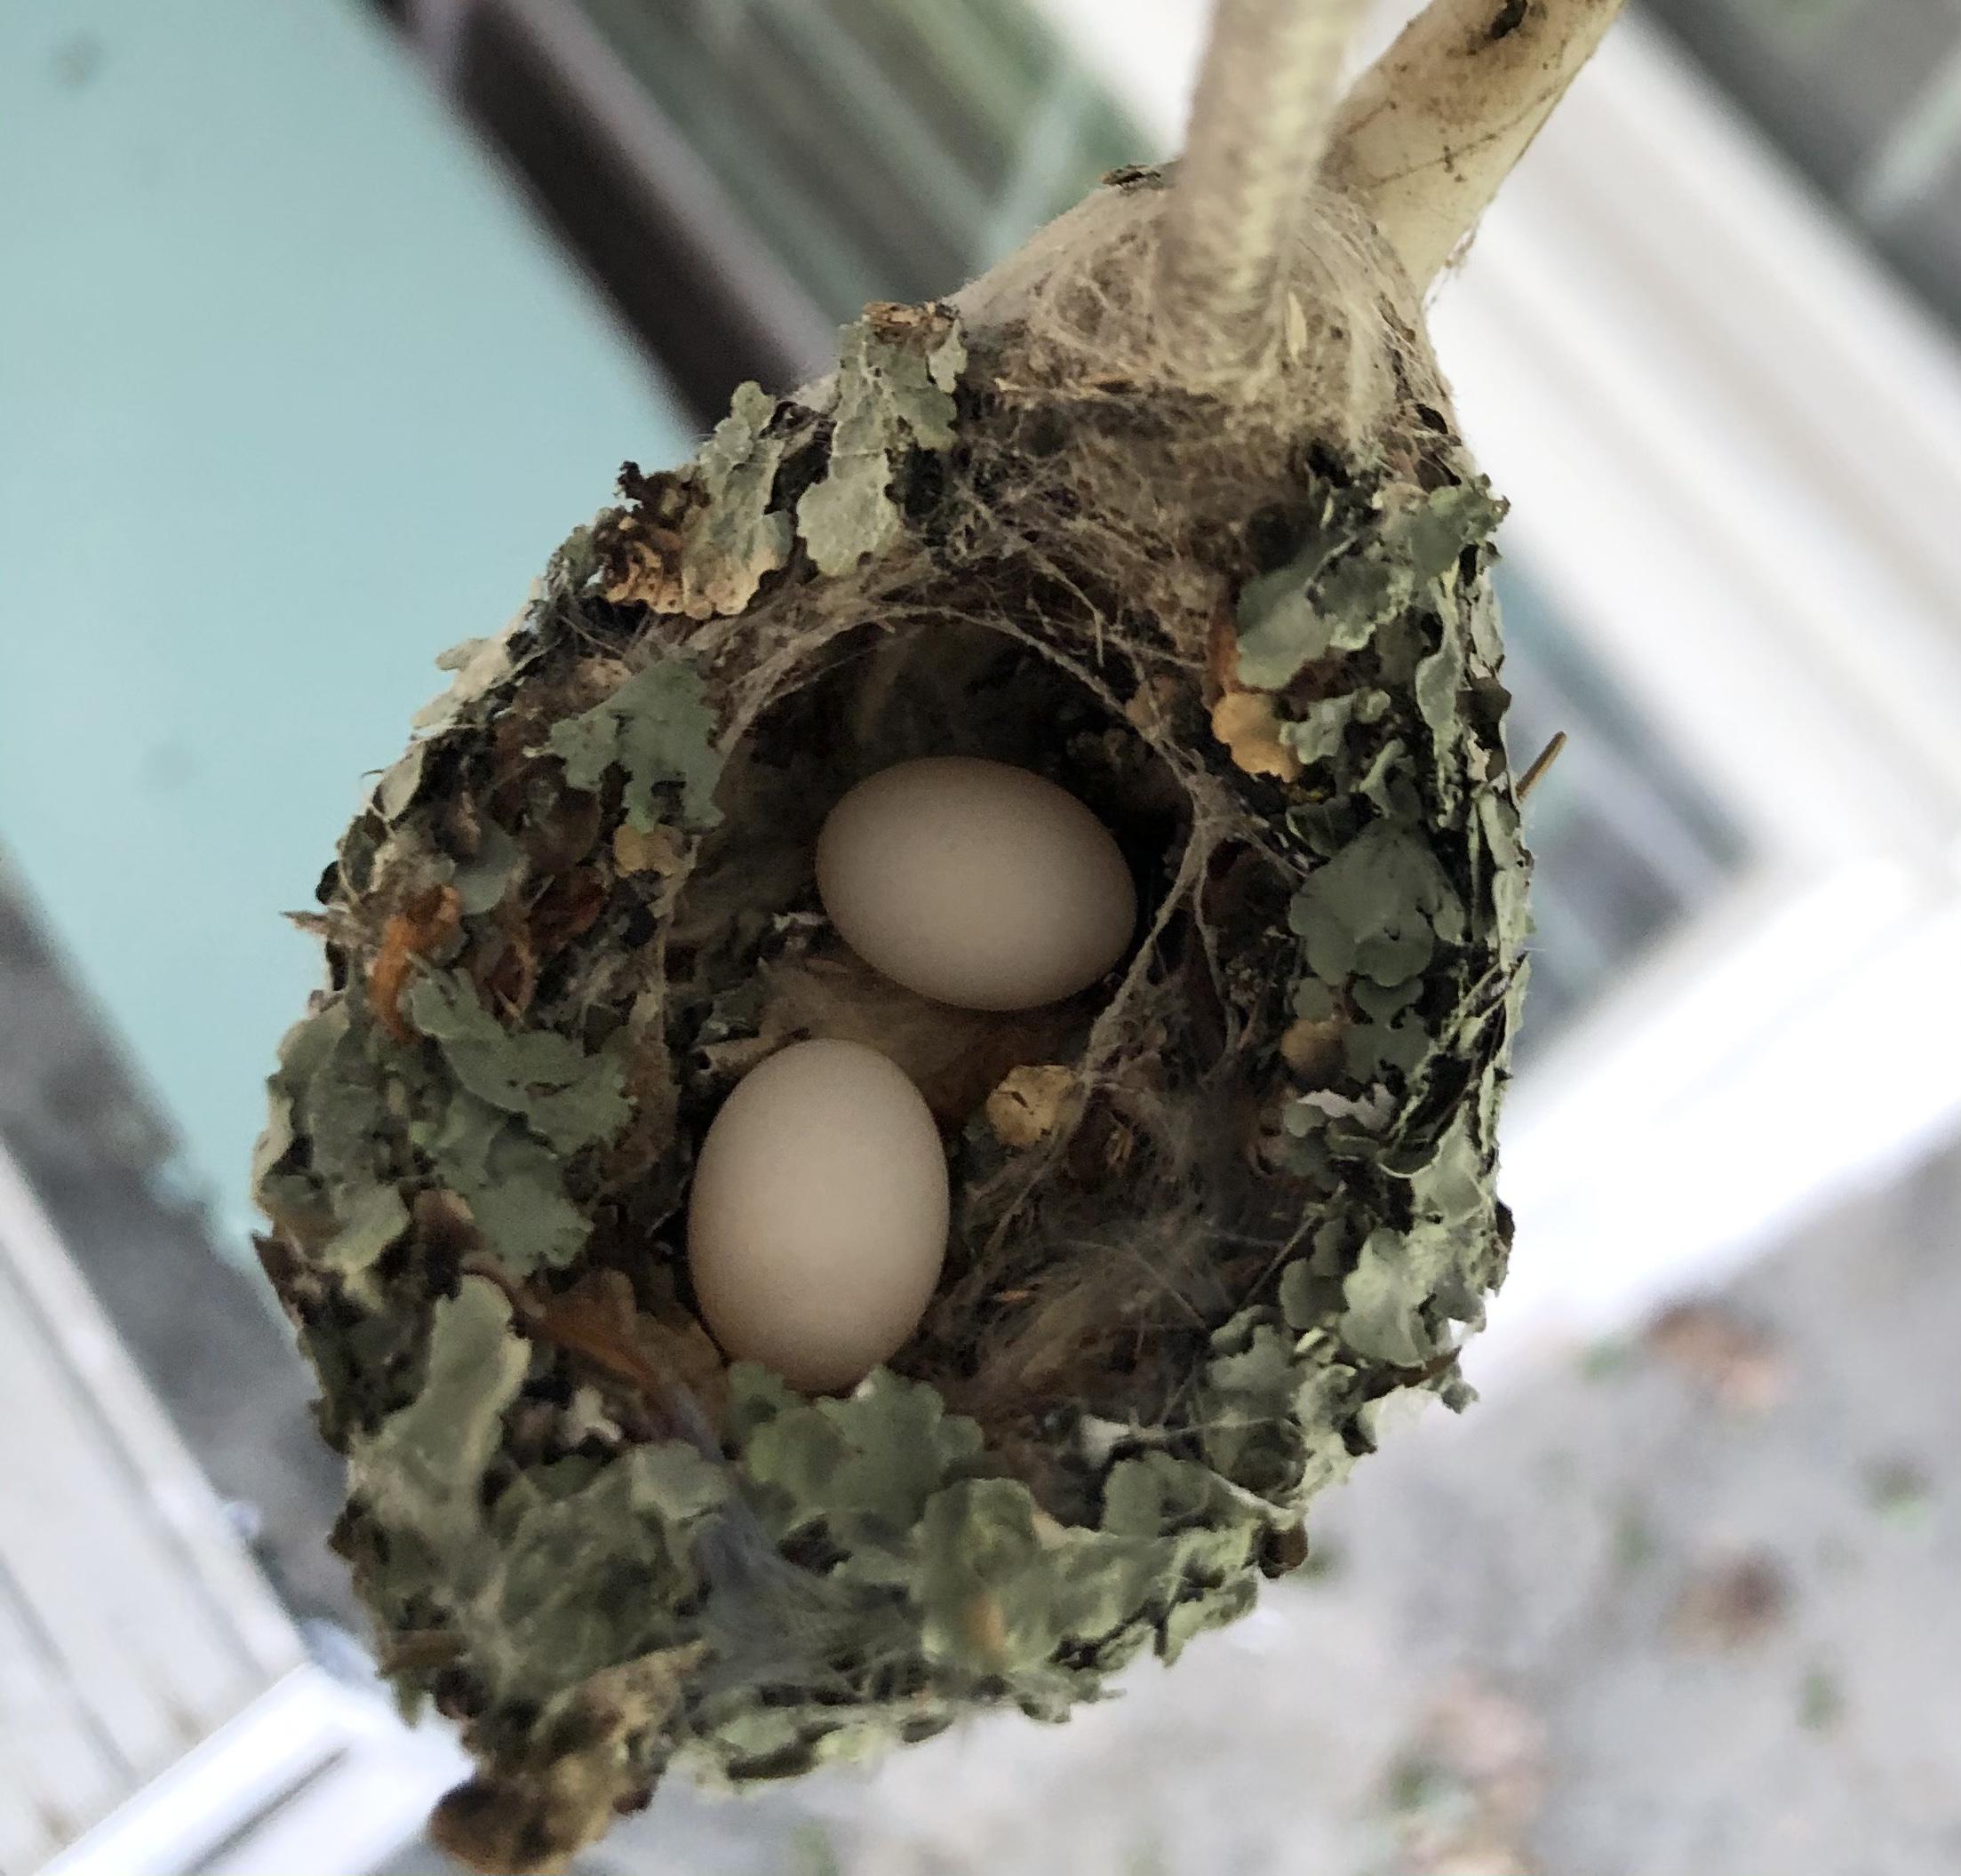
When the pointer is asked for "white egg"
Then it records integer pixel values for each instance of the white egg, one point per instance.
(976, 883)
(817, 1224)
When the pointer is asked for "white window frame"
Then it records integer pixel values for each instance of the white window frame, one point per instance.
(132, 1576)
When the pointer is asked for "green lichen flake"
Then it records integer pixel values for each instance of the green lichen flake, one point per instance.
(740, 537)
(1411, 912)
(567, 1097)
(658, 731)
(894, 393)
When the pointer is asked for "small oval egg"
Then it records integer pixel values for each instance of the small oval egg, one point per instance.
(817, 1224)
(976, 883)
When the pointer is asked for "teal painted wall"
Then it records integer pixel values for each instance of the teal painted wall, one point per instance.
(292, 394)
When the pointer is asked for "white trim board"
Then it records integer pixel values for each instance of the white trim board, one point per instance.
(132, 1624)
(313, 1776)
(157, 1711)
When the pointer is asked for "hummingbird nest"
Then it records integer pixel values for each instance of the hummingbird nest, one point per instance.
(1210, 1217)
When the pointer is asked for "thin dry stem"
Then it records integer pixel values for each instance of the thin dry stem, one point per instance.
(1260, 122)
(1428, 134)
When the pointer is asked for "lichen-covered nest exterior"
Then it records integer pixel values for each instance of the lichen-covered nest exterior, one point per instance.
(1210, 1217)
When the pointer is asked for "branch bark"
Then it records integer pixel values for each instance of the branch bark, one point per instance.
(1428, 134)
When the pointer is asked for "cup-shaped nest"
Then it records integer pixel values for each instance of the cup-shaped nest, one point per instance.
(1209, 1216)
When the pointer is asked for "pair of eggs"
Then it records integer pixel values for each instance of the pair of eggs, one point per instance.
(817, 1221)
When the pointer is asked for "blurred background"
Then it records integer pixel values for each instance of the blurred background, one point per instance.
(322, 322)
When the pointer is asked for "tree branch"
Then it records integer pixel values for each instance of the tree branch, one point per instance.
(1429, 132)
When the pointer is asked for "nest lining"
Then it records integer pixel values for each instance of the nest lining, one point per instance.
(1209, 1214)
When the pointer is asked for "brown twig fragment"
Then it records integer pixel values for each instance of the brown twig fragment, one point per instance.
(1541, 763)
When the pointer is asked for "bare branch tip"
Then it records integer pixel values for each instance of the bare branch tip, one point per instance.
(1428, 134)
